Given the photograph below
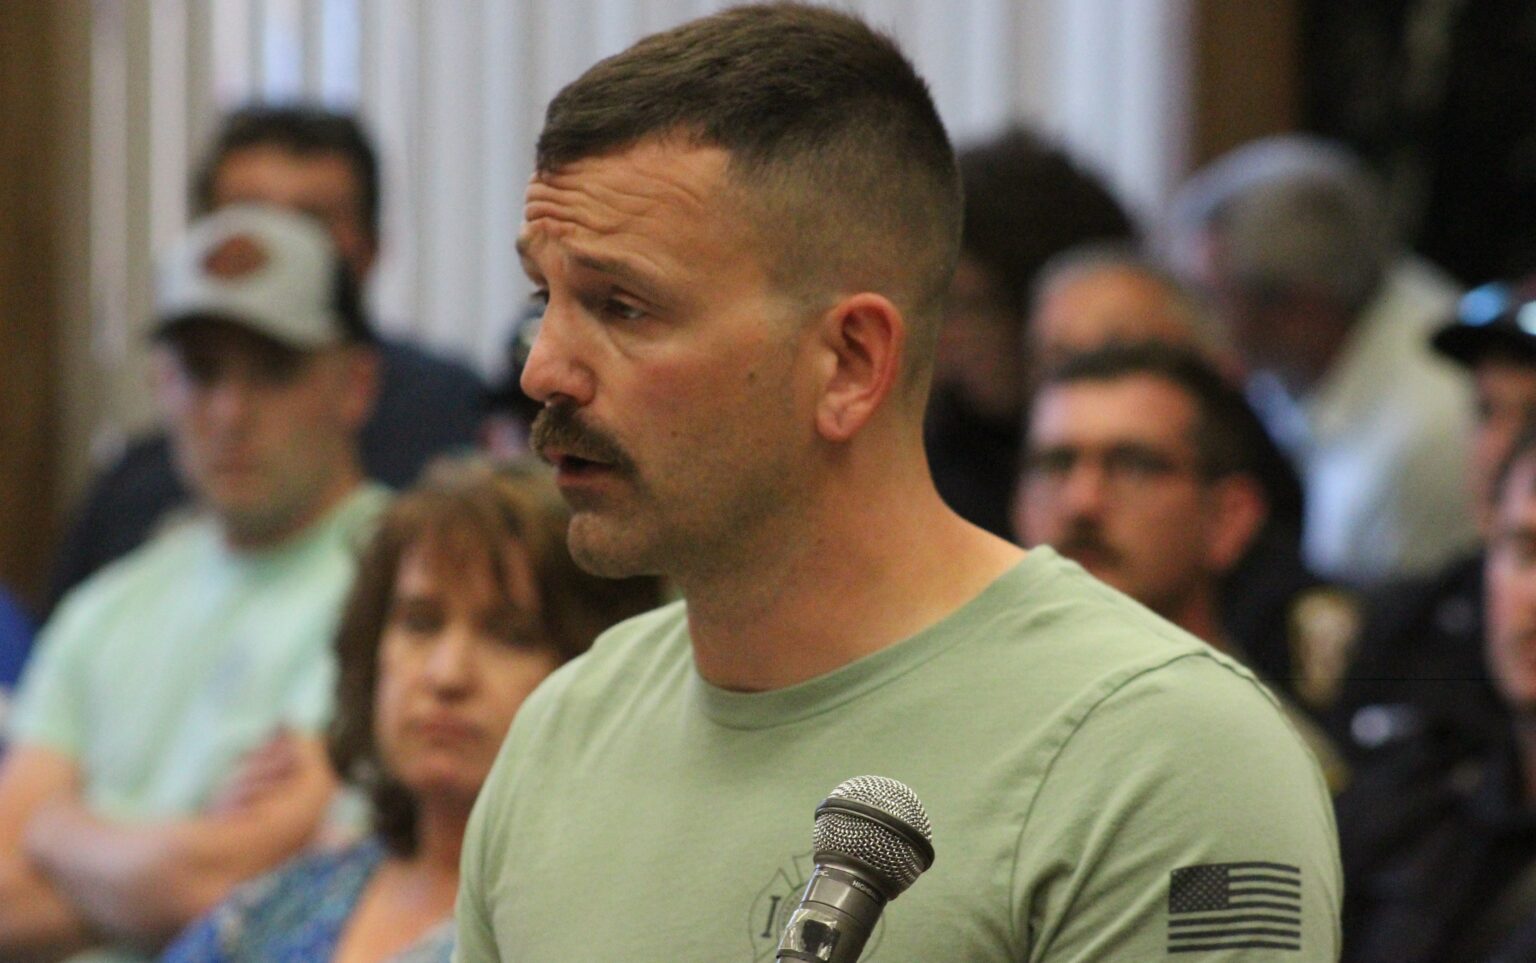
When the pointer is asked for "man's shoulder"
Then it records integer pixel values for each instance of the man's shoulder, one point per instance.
(191, 546)
(1065, 619)
(118, 609)
(341, 531)
(1391, 368)
(1420, 288)
(182, 545)
(632, 655)
(362, 507)
(1054, 650)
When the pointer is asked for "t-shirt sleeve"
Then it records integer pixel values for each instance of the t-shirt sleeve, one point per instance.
(50, 698)
(311, 695)
(486, 867)
(1183, 818)
(474, 937)
(489, 866)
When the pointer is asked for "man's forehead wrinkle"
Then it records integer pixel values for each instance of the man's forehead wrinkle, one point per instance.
(610, 211)
(648, 174)
(572, 235)
(562, 240)
(606, 207)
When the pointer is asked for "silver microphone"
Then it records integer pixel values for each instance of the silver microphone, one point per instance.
(872, 840)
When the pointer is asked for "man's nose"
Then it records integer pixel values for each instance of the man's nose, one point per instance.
(1085, 490)
(557, 368)
(230, 400)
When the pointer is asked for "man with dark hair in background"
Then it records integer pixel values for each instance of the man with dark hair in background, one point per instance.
(1143, 464)
(166, 739)
(1026, 200)
(320, 163)
(1294, 629)
(743, 230)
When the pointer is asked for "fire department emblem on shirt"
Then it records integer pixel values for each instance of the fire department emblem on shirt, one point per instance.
(777, 900)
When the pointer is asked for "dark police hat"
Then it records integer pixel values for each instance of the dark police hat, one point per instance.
(1498, 318)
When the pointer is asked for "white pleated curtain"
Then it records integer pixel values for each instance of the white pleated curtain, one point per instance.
(453, 92)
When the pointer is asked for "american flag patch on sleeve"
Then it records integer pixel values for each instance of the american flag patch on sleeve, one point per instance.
(1224, 906)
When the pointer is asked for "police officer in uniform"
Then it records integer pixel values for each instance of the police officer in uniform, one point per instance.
(1419, 662)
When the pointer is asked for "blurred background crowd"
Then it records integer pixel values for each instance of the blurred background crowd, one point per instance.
(1275, 381)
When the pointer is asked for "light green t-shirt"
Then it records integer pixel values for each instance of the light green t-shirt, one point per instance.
(1102, 786)
(160, 672)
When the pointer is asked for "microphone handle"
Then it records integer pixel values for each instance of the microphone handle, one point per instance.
(836, 914)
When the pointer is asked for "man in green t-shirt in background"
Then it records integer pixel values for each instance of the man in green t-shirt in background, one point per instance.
(743, 230)
(165, 739)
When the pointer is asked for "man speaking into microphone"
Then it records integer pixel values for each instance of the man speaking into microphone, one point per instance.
(743, 230)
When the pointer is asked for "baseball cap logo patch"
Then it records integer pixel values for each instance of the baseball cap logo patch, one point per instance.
(235, 257)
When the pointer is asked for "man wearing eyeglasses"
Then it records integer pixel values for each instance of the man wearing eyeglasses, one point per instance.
(1136, 467)
(1438, 837)
(1420, 668)
(1141, 465)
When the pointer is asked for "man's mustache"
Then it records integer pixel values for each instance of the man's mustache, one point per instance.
(560, 426)
(1087, 539)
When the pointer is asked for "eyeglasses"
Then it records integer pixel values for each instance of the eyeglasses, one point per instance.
(1124, 467)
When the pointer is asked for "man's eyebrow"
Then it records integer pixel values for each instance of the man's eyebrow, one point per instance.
(631, 273)
(623, 270)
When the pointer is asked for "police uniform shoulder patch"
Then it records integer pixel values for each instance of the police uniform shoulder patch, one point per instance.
(1323, 632)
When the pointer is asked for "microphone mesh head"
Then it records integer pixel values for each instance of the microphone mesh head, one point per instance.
(890, 851)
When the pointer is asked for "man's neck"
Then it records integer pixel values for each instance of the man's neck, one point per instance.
(865, 572)
(265, 538)
(1197, 615)
(1328, 330)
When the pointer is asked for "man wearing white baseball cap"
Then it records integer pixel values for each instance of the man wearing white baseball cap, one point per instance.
(164, 744)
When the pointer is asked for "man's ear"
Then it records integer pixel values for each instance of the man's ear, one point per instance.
(863, 339)
(1239, 510)
(363, 370)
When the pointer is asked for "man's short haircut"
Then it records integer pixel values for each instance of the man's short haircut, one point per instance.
(1229, 439)
(835, 145)
(1097, 256)
(300, 130)
(1296, 215)
(1027, 200)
